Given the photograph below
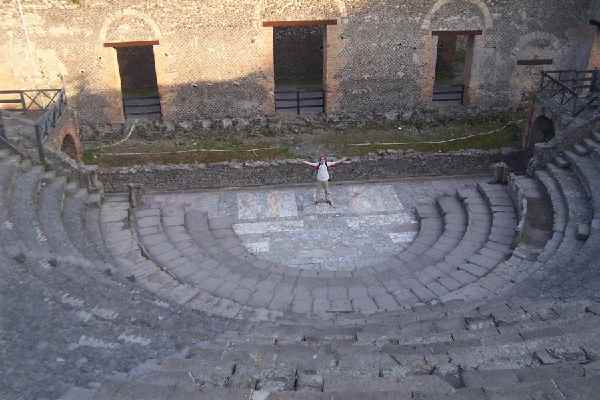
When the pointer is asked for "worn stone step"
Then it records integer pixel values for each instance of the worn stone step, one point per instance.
(495, 318)
(559, 207)
(79, 393)
(24, 211)
(240, 366)
(11, 159)
(93, 232)
(578, 206)
(583, 232)
(499, 326)
(427, 210)
(50, 215)
(588, 172)
(561, 162)
(580, 150)
(135, 262)
(454, 225)
(147, 391)
(430, 229)
(202, 273)
(74, 214)
(404, 387)
(593, 148)
(502, 379)
(4, 153)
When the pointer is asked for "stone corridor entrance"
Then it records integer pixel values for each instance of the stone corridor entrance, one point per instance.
(138, 81)
(453, 66)
(299, 65)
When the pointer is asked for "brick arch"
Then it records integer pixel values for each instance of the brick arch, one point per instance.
(530, 37)
(69, 147)
(525, 79)
(106, 79)
(260, 7)
(485, 11)
(132, 14)
(65, 137)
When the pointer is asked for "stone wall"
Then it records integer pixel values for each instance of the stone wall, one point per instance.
(214, 58)
(386, 165)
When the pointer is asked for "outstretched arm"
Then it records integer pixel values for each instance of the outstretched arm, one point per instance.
(332, 163)
(310, 163)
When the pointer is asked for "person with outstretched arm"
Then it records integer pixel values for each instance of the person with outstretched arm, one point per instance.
(322, 168)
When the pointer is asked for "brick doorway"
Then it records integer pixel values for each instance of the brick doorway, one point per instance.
(454, 60)
(69, 147)
(594, 62)
(300, 65)
(139, 87)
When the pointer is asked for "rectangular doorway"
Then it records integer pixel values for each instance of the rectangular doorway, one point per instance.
(453, 66)
(298, 57)
(138, 82)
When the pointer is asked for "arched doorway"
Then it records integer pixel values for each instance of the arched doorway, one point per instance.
(542, 130)
(68, 147)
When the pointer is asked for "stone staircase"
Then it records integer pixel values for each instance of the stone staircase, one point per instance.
(495, 298)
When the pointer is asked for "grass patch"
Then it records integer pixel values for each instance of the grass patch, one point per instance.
(506, 133)
(238, 146)
(135, 153)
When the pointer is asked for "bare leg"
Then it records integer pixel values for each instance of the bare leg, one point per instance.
(318, 192)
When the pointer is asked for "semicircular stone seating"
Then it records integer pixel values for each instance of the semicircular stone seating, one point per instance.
(199, 260)
(492, 299)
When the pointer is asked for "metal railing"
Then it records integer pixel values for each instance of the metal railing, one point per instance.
(573, 90)
(584, 81)
(51, 102)
(299, 100)
(450, 93)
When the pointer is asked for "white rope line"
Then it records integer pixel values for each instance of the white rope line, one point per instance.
(126, 138)
(439, 141)
(158, 153)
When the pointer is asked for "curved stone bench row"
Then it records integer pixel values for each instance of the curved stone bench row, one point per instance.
(548, 347)
(526, 275)
(205, 254)
(77, 204)
(23, 210)
(445, 272)
(217, 268)
(281, 292)
(503, 348)
(64, 319)
(439, 233)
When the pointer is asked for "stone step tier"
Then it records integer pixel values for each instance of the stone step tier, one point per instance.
(456, 314)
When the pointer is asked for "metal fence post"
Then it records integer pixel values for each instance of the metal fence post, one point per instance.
(298, 102)
(595, 84)
(38, 137)
(22, 96)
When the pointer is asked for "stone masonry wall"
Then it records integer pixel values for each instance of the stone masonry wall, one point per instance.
(387, 165)
(214, 58)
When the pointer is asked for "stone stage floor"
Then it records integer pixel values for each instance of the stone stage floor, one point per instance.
(368, 223)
